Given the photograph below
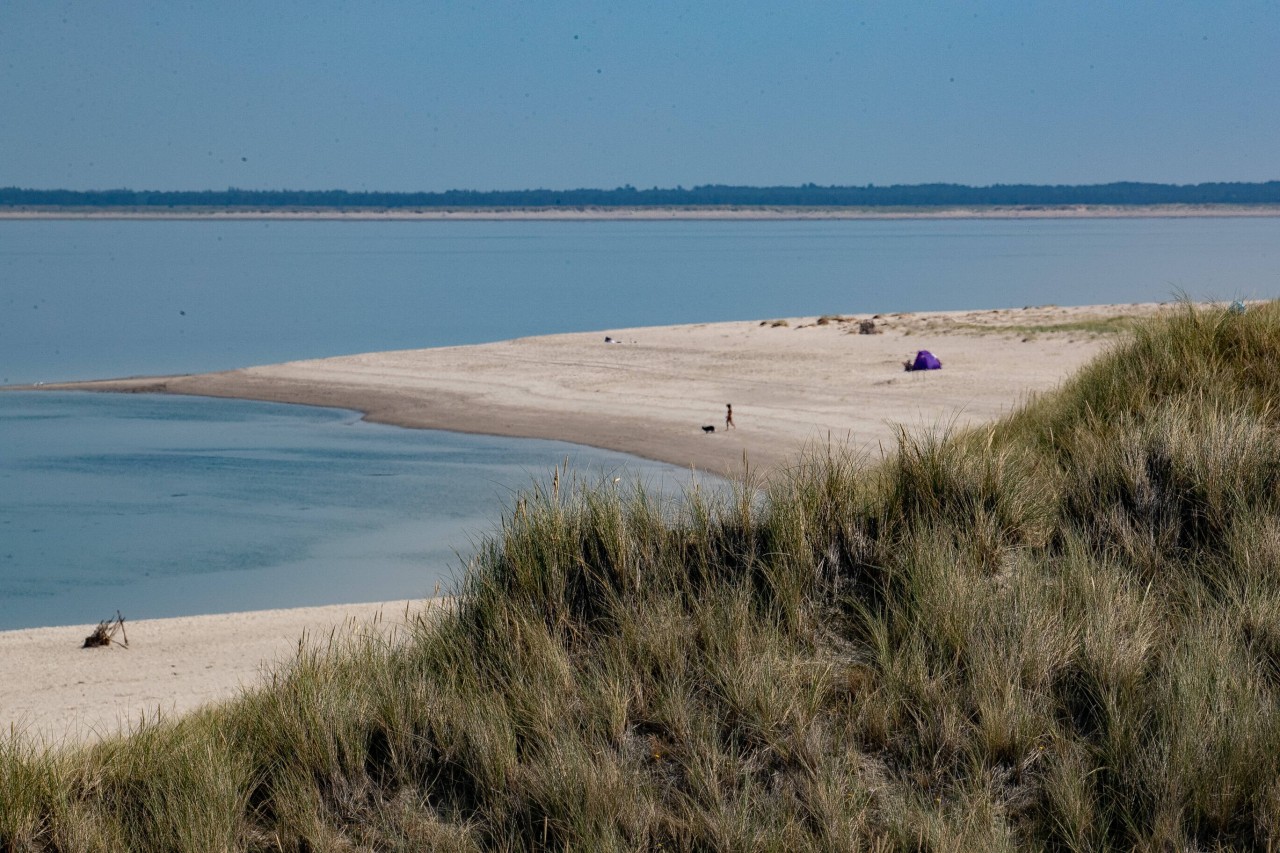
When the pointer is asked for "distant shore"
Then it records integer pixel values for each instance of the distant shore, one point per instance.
(641, 214)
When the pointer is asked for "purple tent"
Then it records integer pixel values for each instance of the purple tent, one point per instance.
(926, 360)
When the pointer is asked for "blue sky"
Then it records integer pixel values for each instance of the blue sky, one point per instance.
(506, 95)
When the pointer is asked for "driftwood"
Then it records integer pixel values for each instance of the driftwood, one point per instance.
(105, 634)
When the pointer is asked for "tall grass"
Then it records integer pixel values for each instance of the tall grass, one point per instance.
(1058, 632)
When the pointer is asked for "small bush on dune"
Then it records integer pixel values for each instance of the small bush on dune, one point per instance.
(1057, 632)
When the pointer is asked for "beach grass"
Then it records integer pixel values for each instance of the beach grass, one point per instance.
(1091, 326)
(1060, 632)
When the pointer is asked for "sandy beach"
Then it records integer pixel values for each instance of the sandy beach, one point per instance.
(649, 392)
(57, 692)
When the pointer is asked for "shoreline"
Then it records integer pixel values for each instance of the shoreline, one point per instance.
(649, 214)
(649, 392)
(57, 693)
(793, 382)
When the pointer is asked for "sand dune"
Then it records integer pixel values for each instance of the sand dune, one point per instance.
(791, 382)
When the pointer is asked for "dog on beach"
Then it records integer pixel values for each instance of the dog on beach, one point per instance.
(710, 428)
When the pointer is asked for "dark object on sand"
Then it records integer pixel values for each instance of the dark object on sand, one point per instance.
(709, 428)
(105, 634)
(868, 327)
(924, 360)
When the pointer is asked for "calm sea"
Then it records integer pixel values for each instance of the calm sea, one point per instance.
(81, 300)
(165, 506)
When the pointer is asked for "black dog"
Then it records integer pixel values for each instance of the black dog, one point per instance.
(709, 428)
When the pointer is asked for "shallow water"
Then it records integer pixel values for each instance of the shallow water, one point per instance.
(167, 506)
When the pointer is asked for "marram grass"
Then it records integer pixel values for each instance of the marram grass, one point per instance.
(1059, 632)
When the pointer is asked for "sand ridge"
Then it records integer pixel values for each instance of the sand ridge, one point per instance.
(791, 381)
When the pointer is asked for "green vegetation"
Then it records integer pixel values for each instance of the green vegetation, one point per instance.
(1093, 327)
(923, 196)
(1061, 632)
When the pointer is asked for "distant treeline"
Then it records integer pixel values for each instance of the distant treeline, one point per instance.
(808, 195)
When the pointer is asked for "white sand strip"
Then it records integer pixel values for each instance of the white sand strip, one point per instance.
(55, 691)
(651, 394)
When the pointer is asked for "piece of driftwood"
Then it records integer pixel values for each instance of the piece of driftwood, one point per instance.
(105, 634)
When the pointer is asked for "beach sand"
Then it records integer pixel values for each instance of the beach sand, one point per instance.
(792, 383)
(56, 692)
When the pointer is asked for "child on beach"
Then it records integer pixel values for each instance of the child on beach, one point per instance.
(728, 416)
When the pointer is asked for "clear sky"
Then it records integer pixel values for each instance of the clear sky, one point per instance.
(435, 95)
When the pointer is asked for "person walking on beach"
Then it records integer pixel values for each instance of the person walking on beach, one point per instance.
(728, 416)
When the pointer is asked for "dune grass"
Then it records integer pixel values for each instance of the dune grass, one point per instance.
(1088, 327)
(1060, 632)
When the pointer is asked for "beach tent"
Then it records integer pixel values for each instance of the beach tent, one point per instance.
(926, 360)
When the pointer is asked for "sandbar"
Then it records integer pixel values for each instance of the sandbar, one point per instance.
(650, 392)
